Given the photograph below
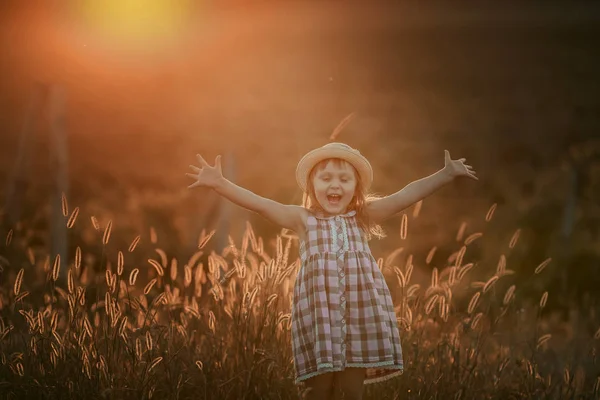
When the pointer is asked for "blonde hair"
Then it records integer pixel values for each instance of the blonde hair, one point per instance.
(358, 202)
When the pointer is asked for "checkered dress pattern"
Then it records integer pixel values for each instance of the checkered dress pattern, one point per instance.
(342, 314)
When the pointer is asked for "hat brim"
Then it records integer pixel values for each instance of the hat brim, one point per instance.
(312, 158)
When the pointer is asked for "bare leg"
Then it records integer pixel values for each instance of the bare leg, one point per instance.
(348, 384)
(319, 387)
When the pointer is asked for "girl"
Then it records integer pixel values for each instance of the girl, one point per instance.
(344, 329)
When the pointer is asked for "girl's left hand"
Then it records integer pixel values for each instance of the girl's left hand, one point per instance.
(458, 167)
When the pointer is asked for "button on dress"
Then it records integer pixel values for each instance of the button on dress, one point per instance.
(342, 314)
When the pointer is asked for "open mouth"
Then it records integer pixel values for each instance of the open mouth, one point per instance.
(334, 198)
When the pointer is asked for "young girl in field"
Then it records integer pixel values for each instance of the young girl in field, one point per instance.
(344, 329)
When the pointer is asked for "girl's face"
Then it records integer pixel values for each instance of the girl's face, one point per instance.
(334, 186)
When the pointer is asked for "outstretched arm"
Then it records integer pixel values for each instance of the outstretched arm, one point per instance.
(286, 216)
(381, 209)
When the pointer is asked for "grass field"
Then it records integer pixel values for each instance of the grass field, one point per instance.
(504, 85)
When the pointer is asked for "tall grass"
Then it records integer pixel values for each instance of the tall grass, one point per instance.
(217, 326)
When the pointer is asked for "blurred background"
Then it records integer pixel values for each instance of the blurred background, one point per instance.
(109, 102)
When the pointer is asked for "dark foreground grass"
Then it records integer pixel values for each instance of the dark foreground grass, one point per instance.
(217, 326)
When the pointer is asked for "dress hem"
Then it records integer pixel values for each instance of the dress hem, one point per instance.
(324, 368)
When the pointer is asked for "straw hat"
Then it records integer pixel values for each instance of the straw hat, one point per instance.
(334, 150)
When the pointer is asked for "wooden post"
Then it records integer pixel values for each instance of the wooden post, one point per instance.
(59, 167)
(19, 182)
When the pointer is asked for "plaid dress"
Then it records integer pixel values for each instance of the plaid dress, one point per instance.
(342, 313)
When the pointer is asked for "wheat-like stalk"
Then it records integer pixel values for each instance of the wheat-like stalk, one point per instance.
(488, 285)
(472, 237)
(154, 363)
(461, 231)
(153, 235)
(9, 236)
(543, 300)
(18, 281)
(56, 268)
(73, 218)
(134, 244)
(120, 263)
(543, 339)
(543, 265)
(70, 282)
(187, 276)
(107, 232)
(133, 276)
(430, 255)
(203, 240)
(473, 302)
(341, 126)
(417, 209)
(77, 257)
(476, 320)
(490, 213)
(95, 223)
(514, 239)
(159, 269)
(501, 267)
(431, 303)
(404, 227)
(149, 286)
(509, 294)
(173, 269)
(460, 256)
(64, 205)
(463, 270)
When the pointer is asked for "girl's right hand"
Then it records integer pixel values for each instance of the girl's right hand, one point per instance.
(206, 175)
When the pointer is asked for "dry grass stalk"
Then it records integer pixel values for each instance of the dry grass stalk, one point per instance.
(434, 277)
(107, 231)
(157, 267)
(490, 213)
(153, 235)
(95, 223)
(473, 302)
(543, 339)
(488, 285)
(460, 256)
(203, 240)
(543, 300)
(70, 282)
(472, 237)
(461, 231)
(148, 286)
(463, 270)
(501, 267)
(73, 218)
(430, 255)
(56, 268)
(514, 239)
(404, 227)
(18, 282)
(134, 244)
(154, 363)
(509, 294)
(64, 205)
(120, 263)
(417, 209)
(341, 126)
(173, 274)
(77, 257)
(543, 265)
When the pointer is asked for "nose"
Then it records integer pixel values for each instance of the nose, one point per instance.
(334, 184)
